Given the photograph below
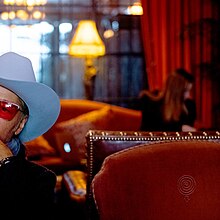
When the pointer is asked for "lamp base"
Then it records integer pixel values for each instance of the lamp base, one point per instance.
(89, 78)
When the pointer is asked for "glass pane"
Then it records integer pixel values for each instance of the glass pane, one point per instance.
(120, 72)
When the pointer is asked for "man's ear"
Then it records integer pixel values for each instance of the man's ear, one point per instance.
(21, 125)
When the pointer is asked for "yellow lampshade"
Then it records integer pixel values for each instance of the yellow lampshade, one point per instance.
(86, 41)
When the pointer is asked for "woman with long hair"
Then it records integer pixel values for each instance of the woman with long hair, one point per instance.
(172, 109)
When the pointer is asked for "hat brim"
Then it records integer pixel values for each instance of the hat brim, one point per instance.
(43, 105)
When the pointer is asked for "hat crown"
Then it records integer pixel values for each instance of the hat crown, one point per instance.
(17, 75)
(21, 69)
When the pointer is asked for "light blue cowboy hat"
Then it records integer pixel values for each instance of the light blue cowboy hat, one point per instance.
(17, 75)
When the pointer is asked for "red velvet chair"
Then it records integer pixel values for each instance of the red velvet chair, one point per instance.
(101, 144)
(163, 181)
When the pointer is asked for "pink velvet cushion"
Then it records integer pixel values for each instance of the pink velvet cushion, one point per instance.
(167, 181)
(79, 126)
(39, 147)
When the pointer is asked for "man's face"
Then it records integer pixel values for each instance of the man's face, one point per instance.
(8, 128)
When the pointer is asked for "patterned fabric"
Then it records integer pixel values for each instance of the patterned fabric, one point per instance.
(79, 126)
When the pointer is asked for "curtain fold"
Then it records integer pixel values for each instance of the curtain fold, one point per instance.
(176, 33)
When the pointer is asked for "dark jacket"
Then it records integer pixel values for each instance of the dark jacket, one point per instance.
(152, 119)
(26, 187)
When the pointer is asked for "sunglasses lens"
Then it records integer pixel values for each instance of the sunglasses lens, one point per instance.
(8, 110)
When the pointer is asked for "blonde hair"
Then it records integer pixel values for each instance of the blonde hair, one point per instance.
(173, 95)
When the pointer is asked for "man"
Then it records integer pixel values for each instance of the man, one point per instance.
(27, 110)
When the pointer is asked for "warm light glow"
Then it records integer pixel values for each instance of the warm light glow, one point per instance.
(23, 15)
(11, 15)
(86, 41)
(4, 16)
(8, 15)
(25, 2)
(9, 2)
(38, 15)
(29, 13)
(135, 9)
(19, 2)
(108, 33)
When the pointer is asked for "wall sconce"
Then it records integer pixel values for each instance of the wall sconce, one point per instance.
(87, 43)
(135, 9)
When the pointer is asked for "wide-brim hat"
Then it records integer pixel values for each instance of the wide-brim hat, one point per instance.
(17, 75)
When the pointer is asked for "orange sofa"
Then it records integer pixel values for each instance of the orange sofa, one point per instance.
(77, 117)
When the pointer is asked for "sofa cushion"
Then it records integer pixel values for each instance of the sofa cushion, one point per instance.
(79, 126)
(39, 147)
(124, 119)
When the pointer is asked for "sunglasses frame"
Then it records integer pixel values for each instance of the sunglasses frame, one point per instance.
(11, 104)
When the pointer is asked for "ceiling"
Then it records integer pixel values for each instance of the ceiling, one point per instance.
(70, 10)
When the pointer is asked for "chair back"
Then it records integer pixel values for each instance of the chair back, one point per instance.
(170, 180)
(101, 144)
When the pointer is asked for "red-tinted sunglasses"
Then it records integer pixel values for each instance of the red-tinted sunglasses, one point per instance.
(8, 110)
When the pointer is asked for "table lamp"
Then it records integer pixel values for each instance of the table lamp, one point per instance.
(87, 43)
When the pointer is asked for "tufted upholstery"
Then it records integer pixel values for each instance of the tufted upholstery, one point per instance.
(172, 180)
(101, 144)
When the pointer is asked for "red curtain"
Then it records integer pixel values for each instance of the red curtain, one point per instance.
(176, 33)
